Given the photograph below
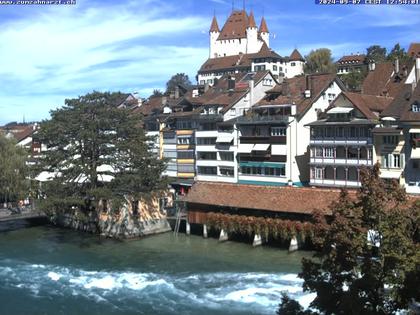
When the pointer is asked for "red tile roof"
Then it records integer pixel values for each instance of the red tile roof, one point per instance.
(263, 26)
(401, 107)
(296, 56)
(266, 198)
(368, 105)
(235, 26)
(291, 91)
(237, 62)
(383, 81)
(352, 59)
(414, 50)
(214, 27)
(251, 20)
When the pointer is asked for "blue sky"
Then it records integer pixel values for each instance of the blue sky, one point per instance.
(50, 53)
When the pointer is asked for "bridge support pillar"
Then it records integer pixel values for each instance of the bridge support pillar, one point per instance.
(187, 228)
(223, 236)
(294, 245)
(205, 235)
(257, 240)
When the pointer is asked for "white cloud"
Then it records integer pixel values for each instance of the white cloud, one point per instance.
(66, 52)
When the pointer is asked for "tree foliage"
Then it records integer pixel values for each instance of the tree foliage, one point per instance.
(368, 252)
(354, 80)
(177, 79)
(397, 52)
(96, 151)
(13, 170)
(376, 53)
(319, 61)
(157, 93)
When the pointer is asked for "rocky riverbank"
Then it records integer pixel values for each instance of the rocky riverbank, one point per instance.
(131, 221)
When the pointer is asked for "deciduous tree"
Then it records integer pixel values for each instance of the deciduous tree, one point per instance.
(13, 171)
(319, 61)
(368, 252)
(177, 79)
(376, 53)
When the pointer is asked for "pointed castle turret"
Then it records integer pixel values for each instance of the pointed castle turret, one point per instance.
(214, 35)
(264, 32)
(251, 34)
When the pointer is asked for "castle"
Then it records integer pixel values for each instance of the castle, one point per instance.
(241, 46)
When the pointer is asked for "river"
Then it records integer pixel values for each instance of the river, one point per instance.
(46, 270)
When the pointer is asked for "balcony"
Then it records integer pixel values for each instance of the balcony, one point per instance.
(341, 140)
(334, 183)
(264, 139)
(262, 119)
(341, 161)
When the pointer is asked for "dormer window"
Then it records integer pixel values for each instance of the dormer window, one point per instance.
(415, 107)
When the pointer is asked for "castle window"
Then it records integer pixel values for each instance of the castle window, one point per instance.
(415, 107)
(274, 68)
(293, 64)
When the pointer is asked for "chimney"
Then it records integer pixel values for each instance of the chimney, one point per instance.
(293, 109)
(397, 66)
(372, 65)
(251, 92)
(206, 87)
(308, 87)
(177, 92)
(231, 83)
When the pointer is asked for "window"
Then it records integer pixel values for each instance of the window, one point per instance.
(206, 141)
(390, 139)
(275, 68)
(227, 171)
(183, 125)
(263, 171)
(232, 112)
(293, 64)
(415, 108)
(267, 82)
(207, 156)
(226, 156)
(259, 68)
(169, 154)
(318, 173)
(393, 161)
(184, 140)
(278, 131)
(186, 168)
(185, 154)
(339, 132)
(207, 170)
(318, 152)
(329, 152)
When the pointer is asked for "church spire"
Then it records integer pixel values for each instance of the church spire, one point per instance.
(263, 26)
(214, 26)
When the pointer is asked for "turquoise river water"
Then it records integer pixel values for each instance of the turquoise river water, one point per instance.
(46, 270)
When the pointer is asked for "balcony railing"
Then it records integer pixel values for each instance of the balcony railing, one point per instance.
(345, 140)
(262, 119)
(263, 139)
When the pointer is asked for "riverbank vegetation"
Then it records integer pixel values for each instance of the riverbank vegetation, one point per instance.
(96, 152)
(368, 259)
(14, 184)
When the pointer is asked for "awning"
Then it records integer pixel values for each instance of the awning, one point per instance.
(414, 130)
(278, 149)
(224, 138)
(415, 154)
(340, 110)
(261, 147)
(245, 148)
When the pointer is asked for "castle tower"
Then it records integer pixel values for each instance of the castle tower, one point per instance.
(252, 35)
(214, 35)
(265, 34)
